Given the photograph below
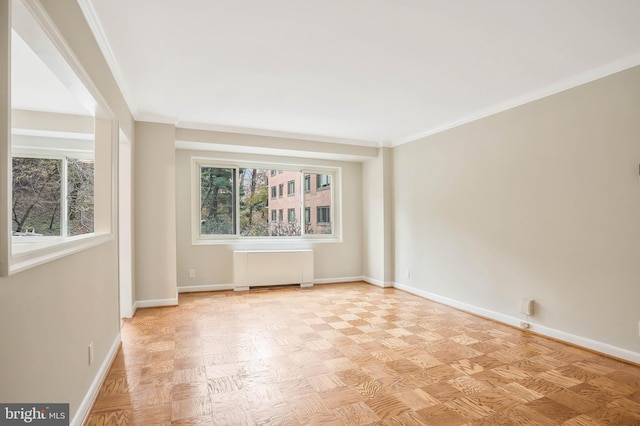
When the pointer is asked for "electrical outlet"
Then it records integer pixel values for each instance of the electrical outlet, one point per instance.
(525, 325)
(90, 353)
(192, 273)
(408, 273)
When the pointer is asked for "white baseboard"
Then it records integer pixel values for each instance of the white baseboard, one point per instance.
(87, 401)
(584, 342)
(154, 303)
(207, 287)
(383, 284)
(337, 280)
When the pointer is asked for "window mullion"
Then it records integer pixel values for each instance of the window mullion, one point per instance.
(236, 201)
(64, 205)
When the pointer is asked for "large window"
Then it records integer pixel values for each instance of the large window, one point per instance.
(239, 202)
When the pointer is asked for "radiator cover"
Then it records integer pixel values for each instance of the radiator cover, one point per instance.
(253, 268)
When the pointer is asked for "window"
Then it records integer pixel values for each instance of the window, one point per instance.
(51, 197)
(236, 202)
(273, 172)
(323, 215)
(307, 183)
(323, 181)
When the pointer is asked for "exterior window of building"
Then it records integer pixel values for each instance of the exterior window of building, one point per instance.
(324, 215)
(323, 181)
(43, 205)
(250, 202)
(307, 183)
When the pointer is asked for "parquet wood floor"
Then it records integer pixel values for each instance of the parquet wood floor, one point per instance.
(351, 354)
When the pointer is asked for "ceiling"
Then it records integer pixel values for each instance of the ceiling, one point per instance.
(368, 72)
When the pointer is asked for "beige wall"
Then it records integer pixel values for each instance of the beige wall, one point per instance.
(51, 313)
(48, 317)
(213, 263)
(377, 205)
(155, 213)
(541, 201)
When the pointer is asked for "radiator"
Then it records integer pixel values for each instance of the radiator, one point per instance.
(254, 268)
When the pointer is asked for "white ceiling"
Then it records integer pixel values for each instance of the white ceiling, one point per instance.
(374, 72)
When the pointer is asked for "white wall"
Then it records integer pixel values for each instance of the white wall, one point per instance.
(155, 214)
(214, 263)
(541, 201)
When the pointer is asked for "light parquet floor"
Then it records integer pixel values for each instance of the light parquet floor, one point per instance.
(351, 354)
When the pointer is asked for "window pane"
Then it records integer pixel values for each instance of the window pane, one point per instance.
(79, 196)
(288, 207)
(36, 189)
(217, 201)
(318, 200)
(254, 202)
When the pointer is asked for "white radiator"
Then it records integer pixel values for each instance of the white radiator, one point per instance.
(270, 267)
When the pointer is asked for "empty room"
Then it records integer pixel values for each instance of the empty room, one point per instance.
(317, 213)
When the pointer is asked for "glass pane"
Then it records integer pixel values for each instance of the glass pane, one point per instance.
(79, 196)
(254, 202)
(287, 204)
(217, 201)
(318, 204)
(36, 189)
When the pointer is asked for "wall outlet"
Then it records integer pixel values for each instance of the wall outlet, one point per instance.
(525, 325)
(408, 273)
(90, 353)
(192, 273)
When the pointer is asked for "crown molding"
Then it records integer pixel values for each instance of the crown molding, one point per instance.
(558, 87)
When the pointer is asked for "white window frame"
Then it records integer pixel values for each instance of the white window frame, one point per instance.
(336, 201)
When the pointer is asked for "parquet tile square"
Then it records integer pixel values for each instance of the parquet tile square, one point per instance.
(351, 354)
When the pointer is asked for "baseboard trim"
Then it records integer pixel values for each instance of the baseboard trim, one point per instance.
(207, 287)
(154, 303)
(337, 280)
(383, 284)
(594, 345)
(92, 393)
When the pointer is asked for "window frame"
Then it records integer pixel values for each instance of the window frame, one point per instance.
(64, 190)
(197, 162)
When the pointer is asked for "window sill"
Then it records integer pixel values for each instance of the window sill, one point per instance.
(37, 251)
(318, 238)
